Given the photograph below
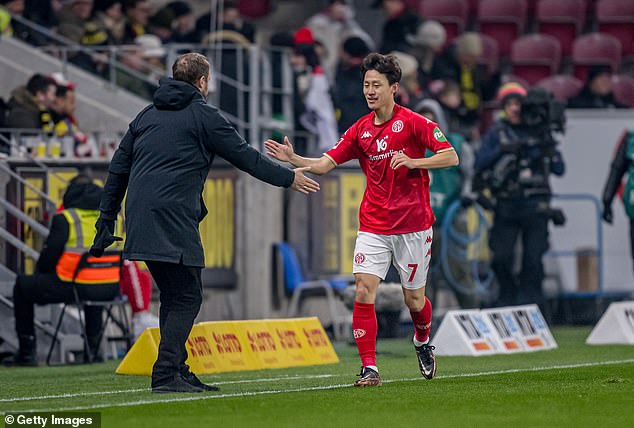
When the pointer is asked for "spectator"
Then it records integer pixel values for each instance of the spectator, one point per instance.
(183, 24)
(427, 44)
(400, 23)
(460, 64)
(43, 12)
(160, 24)
(334, 24)
(146, 58)
(29, 106)
(76, 24)
(314, 107)
(137, 19)
(348, 99)
(410, 93)
(8, 7)
(109, 15)
(597, 92)
(447, 93)
(231, 20)
(63, 112)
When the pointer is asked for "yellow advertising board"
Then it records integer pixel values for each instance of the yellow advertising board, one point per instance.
(225, 346)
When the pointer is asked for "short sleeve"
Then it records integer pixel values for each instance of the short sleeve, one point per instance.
(431, 136)
(347, 147)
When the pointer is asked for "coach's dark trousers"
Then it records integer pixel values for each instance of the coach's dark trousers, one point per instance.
(181, 297)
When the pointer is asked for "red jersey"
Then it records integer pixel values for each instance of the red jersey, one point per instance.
(395, 201)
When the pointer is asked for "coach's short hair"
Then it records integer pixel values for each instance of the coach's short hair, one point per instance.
(384, 64)
(190, 67)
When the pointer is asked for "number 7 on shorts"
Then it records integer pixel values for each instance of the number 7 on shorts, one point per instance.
(412, 266)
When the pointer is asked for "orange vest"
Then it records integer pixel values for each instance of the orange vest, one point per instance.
(81, 234)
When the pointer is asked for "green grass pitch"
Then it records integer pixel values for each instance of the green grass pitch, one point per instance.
(574, 386)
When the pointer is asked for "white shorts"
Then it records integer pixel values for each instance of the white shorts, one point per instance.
(410, 253)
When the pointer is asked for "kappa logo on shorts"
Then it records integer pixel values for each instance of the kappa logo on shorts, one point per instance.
(359, 258)
(358, 333)
(428, 240)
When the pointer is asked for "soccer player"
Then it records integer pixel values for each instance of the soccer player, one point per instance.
(395, 216)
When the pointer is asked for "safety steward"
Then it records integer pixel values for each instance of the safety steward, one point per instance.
(71, 234)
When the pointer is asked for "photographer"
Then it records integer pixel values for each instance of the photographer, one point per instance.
(516, 158)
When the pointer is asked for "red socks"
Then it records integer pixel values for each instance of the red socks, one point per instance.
(364, 327)
(422, 322)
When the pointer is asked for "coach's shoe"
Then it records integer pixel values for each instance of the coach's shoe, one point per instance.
(369, 377)
(26, 355)
(178, 384)
(193, 379)
(426, 360)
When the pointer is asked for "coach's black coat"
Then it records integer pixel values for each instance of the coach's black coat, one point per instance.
(163, 160)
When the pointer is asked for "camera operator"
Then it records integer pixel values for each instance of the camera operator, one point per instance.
(515, 160)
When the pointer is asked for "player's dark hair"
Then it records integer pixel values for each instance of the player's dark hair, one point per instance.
(384, 64)
(190, 67)
(39, 83)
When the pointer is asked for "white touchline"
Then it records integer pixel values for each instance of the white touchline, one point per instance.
(124, 391)
(317, 388)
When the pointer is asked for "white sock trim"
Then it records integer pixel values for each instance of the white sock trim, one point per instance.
(375, 368)
(419, 343)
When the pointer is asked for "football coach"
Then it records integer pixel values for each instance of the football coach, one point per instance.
(163, 161)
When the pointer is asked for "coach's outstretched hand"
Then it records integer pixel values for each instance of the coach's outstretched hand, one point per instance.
(303, 184)
(281, 152)
(104, 237)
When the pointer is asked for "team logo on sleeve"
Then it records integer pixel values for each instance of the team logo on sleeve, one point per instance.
(397, 126)
(439, 136)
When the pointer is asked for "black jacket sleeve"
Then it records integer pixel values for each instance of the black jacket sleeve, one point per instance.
(54, 245)
(117, 181)
(620, 164)
(222, 138)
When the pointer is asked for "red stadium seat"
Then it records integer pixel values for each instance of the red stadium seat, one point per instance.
(535, 57)
(490, 56)
(616, 17)
(561, 86)
(562, 19)
(595, 49)
(503, 20)
(255, 9)
(623, 88)
(452, 14)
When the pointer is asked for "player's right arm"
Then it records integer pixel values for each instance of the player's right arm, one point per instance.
(286, 153)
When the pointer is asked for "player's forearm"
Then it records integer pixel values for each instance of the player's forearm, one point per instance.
(317, 165)
(439, 160)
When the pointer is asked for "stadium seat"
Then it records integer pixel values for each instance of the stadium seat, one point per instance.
(298, 287)
(562, 86)
(452, 14)
(623, 88)
(595, 49)
(535, 57)
(255, 9)
(503, 20)
(616, 17)
(490, 56)
(562, 19)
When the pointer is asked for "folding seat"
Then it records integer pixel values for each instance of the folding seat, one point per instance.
(623, 88)
(595, 49)
(535, 57)
(490, 56)
(616, 17)
(562, 19)
(562, 86)
(504, 20)
(452, 14)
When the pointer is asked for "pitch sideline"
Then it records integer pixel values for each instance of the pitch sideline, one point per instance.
(319, 388)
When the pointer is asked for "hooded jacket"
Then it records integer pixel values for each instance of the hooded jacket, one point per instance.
(163, 161)
(84, 196)
(24, 111)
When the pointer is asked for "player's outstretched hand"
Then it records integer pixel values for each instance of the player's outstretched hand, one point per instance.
(303, 184)
(401, 159)
(281, 152)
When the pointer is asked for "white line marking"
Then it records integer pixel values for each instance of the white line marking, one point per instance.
(124, 391)
(316, 388)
